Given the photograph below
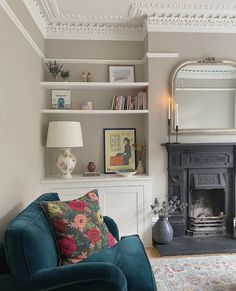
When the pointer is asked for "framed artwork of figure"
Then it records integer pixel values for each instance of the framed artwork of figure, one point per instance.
(119, 152)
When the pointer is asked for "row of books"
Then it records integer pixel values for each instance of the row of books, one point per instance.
(138, 102)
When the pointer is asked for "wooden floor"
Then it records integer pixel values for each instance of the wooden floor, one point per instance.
(153, 253)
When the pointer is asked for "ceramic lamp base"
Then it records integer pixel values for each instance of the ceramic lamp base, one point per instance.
(66, 163)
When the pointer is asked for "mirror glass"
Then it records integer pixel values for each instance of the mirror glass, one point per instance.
(205, 92)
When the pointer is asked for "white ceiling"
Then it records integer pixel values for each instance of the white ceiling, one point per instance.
(101, 8)
(129, 20)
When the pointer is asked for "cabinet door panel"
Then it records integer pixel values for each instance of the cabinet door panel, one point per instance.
(126, 206)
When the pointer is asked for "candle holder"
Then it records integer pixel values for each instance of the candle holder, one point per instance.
(169, 129)
(176, 134)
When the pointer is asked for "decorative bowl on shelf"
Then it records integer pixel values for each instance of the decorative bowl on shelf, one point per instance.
(124, 173)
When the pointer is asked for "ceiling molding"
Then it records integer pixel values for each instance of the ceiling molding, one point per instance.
(147, 8)
(142, 17)
(38, 15)
(50, 7)
(192, 23)
(95, 31)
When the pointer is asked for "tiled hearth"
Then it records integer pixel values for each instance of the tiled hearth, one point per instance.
(203, 176)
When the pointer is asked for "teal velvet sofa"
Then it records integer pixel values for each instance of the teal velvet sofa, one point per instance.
(29, 260)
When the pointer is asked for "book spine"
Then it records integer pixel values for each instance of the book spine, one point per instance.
(112, 103)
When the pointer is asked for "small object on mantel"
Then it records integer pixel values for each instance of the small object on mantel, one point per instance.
(125, 173)
(91, 167)
(92, 174)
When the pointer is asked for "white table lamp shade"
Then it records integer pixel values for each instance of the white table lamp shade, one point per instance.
(64, 134)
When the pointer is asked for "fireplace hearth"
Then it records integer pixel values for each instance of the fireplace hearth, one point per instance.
(203, 176)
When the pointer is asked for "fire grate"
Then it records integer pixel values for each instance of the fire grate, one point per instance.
(207, 226)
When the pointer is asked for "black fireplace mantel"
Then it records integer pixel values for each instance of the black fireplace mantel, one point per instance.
(186, 162)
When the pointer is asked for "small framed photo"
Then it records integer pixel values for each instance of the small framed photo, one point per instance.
(61, 99)
(121, 73)
(119, 153)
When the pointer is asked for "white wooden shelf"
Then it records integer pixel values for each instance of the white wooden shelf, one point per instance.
(117, 61)
(94, 85)
(98, 61)
(90, 112)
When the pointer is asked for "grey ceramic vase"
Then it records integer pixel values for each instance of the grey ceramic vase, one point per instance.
(162, 231)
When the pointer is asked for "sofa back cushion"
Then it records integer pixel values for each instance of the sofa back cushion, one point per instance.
(29, 241)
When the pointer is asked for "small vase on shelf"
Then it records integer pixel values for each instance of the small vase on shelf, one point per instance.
(55, 77)
(65, 75)
(54, 69)
(91, 167)
(162, 231)
(140, 167)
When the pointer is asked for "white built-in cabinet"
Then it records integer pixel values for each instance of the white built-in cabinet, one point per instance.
(126, 200)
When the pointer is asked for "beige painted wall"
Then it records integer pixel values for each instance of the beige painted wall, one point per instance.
(22, 13)
(94, 49)
(188, 45)
(22, 153)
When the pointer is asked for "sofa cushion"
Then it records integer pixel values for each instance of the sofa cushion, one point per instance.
(79, 227)
(130, 256)
(29, 241)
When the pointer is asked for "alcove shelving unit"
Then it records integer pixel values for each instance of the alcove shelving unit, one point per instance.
(113, 190)
(100, 92)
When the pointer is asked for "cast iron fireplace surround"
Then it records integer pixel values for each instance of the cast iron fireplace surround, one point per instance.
(202, 167)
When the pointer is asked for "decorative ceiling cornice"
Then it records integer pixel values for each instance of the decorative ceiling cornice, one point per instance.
(141, 18)
(144, 7)
(101, 31)
(192, 23)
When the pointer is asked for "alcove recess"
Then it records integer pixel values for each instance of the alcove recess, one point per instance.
(100, 92)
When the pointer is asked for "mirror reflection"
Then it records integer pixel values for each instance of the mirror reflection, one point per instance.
(204, 93)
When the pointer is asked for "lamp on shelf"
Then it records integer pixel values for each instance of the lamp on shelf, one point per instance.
(65, 135)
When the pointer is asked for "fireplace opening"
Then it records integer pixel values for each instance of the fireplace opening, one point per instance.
(207, 212)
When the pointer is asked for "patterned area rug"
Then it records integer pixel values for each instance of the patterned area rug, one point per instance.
(205, 273)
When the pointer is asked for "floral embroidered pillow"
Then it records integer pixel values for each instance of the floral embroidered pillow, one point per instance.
(78, 227)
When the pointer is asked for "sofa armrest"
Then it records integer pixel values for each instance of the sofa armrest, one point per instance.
(112, 226)
(82, 276)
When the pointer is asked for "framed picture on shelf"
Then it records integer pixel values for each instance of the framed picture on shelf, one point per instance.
(119, 153)
(61, 99)
(121, 74)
